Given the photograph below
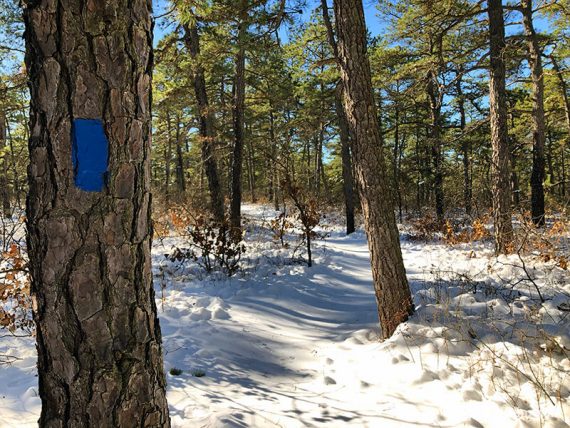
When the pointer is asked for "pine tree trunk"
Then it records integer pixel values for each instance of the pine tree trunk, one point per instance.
(168, 158)
(436, 144)
(390, 282)
(4, 189)
(538, 118)
(396, 161)
(98, 336)
(344, 133)
(465, 149)
(564, 91)
(347, 178)
(180, 174)
(500, 171)
(15, 171)
(251, 171)
(238, 119)
(207, 130)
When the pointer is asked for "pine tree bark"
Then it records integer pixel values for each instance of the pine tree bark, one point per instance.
(500, 171)
(390, 283)
(207, 130)
(238, 118)
(344, 134)
(538, 117)
(98, 336)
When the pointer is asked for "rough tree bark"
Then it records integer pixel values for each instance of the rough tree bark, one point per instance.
(98, 336)
(390, 282)
(238, 117)
(207, 130)
(500, 170)
(344, 134)
(538, 118)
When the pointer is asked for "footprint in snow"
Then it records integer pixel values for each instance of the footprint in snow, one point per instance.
(472, 395)
(427, 376)
(329, 381)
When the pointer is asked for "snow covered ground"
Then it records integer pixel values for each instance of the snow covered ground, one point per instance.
(284, 345)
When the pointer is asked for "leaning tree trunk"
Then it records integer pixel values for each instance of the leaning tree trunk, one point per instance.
(538, 118)
(238, 119)
(207, 130)
(89, 230)
(390, 282)
(500, 171)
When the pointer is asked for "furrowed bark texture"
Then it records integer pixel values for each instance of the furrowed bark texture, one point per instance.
(390, 282)
(207, 131)
(98, 337)
(538, 118)
(499, 133)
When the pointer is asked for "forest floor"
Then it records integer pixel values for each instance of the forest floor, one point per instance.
(284, 345)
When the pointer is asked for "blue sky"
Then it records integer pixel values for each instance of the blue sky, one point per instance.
(372, 21)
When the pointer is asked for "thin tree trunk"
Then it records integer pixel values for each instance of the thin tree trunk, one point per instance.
(15, 172)
(97, 332)
(180, 174)
(207, 130)
(500, 170)
(251, 170)
(390, 282)
(238, 118)
(396, 163)
(274, 177)
(564, 91)
(168, 158)
(538, 119)
(563, 161)
(4, 189)
(465, 149)
(436, 144)
(344, 134)
(346, 157)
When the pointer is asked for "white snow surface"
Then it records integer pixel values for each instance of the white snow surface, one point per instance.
(284, 345)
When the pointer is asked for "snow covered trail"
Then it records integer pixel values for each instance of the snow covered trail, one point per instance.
(284, 345)
(264, 362)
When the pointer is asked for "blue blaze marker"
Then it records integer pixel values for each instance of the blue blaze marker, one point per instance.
(90, 154)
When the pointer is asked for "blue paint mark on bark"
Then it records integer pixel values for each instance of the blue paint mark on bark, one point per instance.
(90, 153)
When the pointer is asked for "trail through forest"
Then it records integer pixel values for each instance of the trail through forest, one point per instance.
(285, 345)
